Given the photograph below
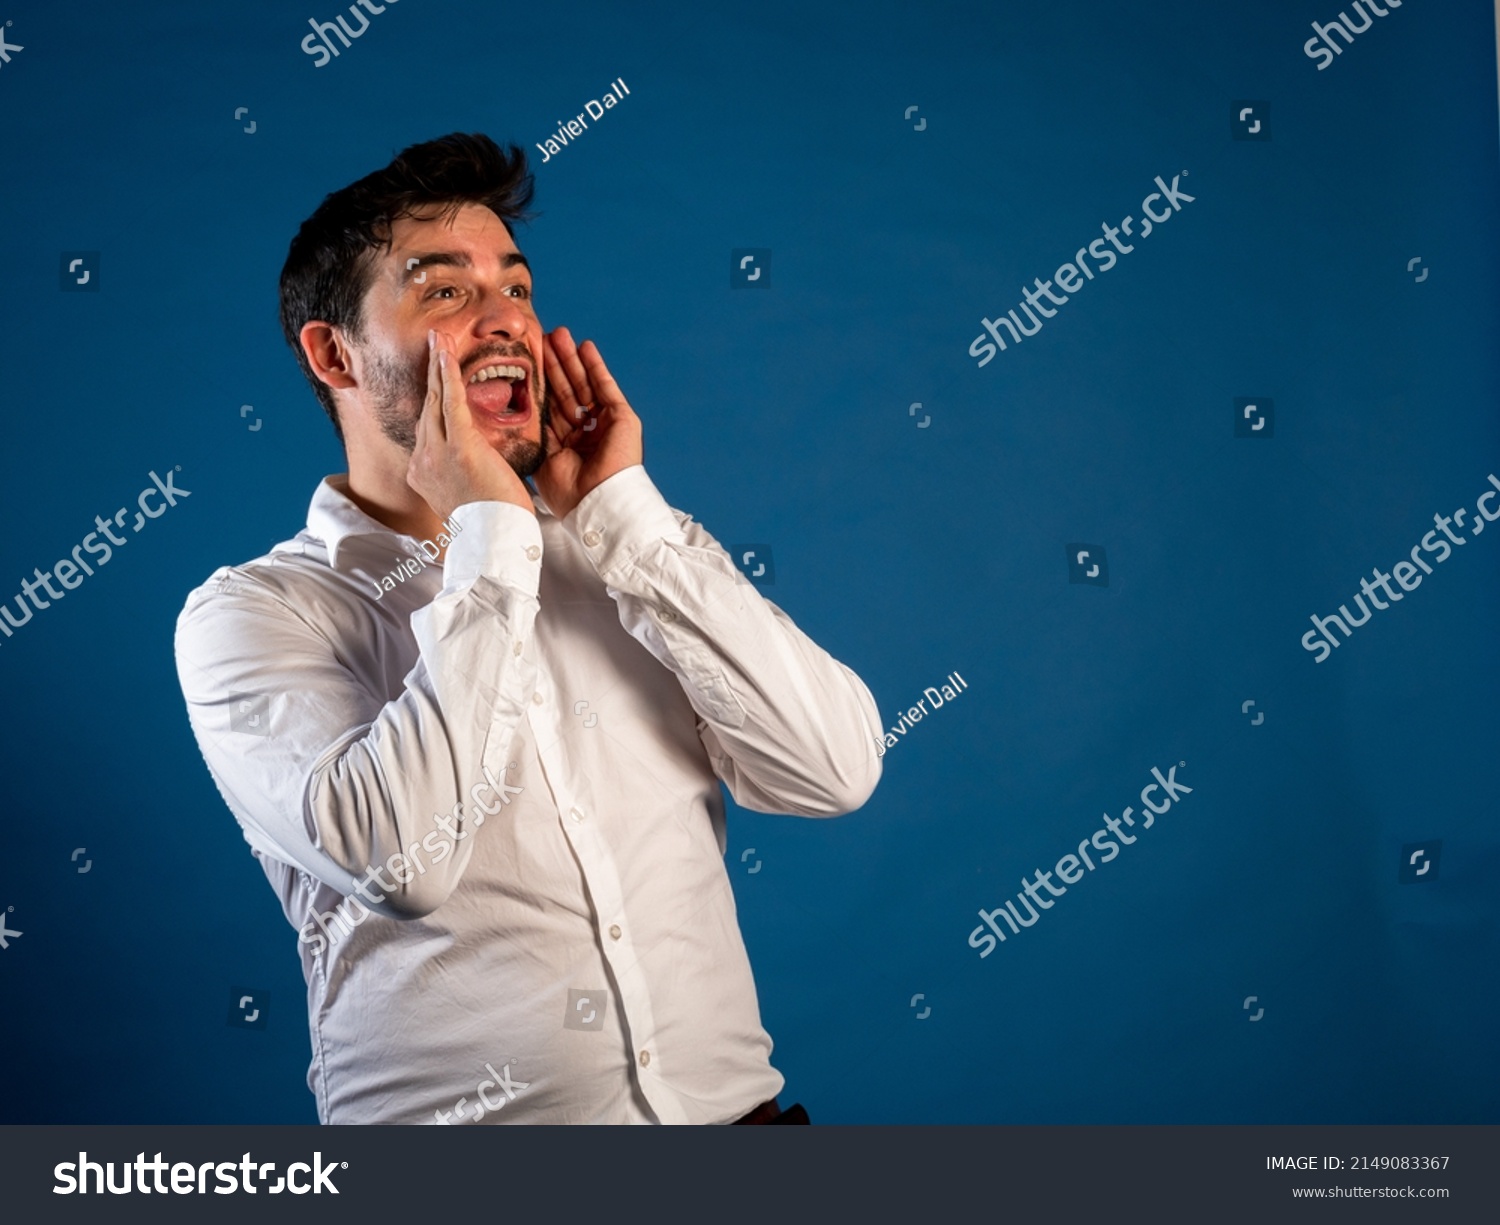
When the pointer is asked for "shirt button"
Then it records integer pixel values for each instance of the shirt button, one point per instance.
(533, 552)
(591, 538)
(645, 1059)
(518, 648)
(575, 814)
(536, 698)
(614, 932)
(666, 614)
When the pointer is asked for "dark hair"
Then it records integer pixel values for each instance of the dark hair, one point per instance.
(329, 264)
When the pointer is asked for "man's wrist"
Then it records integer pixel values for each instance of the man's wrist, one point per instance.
(620, 516)
(496, 539)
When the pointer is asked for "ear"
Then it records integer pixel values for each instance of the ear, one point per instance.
(327, 353)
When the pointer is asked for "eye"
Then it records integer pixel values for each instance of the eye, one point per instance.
(440, 289)
(521, 291)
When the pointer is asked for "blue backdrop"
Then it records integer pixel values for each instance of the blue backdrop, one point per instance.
(1307, 936)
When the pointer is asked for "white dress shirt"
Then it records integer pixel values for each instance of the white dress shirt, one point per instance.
(527, 747)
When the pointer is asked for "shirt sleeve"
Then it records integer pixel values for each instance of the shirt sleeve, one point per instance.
(788, 728)
(325, 775)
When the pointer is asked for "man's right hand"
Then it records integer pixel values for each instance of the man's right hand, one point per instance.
(452, 463)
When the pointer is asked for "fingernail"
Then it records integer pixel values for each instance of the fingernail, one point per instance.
(431, 338)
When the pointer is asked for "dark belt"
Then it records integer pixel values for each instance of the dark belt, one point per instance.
(770, 1112)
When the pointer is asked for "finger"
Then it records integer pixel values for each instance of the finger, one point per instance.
(565, 415)
(603, 383)
(557, 440)
(557, 378)
(432, 406)
(567, 353)
(456, 413)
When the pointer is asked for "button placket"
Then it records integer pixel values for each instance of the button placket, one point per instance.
(602, 879)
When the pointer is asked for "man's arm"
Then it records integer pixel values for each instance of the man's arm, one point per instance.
(788, 727)
(338, 780)
(368, 795)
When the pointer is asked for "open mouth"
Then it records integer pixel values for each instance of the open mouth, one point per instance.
(500, 390)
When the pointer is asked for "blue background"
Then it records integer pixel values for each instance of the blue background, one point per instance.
(781, 415)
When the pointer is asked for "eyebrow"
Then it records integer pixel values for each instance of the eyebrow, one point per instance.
(456, 259)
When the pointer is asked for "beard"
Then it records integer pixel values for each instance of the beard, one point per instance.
(397, 391)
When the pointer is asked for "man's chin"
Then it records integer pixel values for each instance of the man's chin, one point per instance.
(523, 455)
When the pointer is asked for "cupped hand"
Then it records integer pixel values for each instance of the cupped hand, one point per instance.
(593, 432)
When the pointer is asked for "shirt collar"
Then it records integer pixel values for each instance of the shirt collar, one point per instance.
(333, 518)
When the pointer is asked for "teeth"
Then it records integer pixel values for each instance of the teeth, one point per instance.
(513, 373)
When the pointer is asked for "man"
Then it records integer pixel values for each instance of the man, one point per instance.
(487, 793)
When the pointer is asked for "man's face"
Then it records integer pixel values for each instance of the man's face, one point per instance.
(467, 279)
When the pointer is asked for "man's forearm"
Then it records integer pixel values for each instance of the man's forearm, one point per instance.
(797, 726)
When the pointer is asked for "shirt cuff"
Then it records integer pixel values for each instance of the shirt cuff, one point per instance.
(498, 539)
(621, 517)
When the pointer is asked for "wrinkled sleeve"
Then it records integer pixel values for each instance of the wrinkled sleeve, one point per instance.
(329, 777)
(788, 728)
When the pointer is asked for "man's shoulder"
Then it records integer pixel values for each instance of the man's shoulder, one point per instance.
(305, 563)
(287, 573)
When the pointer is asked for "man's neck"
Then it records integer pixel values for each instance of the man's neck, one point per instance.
(406, 514)
(377, 485)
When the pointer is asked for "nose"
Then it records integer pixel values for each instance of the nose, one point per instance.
(502, 315)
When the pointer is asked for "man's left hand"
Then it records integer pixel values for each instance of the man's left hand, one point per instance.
(593, 433)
